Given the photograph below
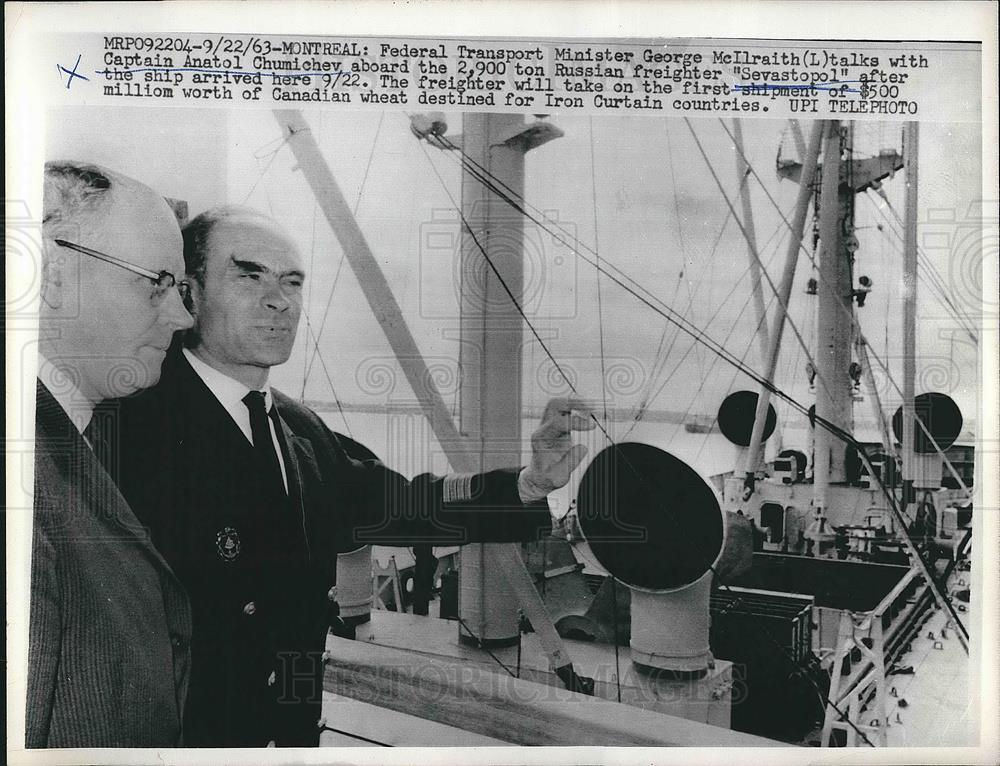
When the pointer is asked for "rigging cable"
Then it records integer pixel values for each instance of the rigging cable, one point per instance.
(617, 277)
(485, 648)
(718, 310)
(707, 377)
(273, 155)
(600, 305)
(329, 378)
(621, 279)
(312, 263)
(660, 354)
(358, 737)
(843, 435)
(756, 255)
(340, 264)
(928, 274)
(659, 366)
(849, 315)
(933, 278)
(681, 323)
(746, 352)
(680, 231)
(629, 285)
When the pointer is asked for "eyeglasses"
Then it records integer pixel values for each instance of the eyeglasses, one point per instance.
(162, 281)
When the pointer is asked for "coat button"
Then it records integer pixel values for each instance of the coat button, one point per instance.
(178, 642)
(250, 608)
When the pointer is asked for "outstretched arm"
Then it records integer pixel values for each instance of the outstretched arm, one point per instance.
(506, 505)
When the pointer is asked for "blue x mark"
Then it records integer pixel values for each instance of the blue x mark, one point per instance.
(72, 73)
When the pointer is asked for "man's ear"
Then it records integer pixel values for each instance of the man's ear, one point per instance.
(52, 291)
(193, 297)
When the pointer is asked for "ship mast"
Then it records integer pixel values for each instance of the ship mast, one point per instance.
(909, 308)
(833, 352)
(843, 177)
(491, 341)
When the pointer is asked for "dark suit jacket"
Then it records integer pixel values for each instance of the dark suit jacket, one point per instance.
(110, 625)
(259, 577)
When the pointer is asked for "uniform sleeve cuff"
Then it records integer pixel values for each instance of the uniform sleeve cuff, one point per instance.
(457, 487)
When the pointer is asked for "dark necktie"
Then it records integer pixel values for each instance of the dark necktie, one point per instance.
(263, 444)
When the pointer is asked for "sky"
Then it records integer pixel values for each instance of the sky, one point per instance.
(635, 190)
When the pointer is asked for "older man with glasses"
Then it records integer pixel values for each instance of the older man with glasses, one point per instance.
(110, 625)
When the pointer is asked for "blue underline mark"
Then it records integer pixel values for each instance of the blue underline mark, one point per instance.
(835, 85)
(270, 73)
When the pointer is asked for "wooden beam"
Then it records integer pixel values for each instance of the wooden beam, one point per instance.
(374, 285)
(507, 708)
(806, 176)
(750, 234)
(503, 423)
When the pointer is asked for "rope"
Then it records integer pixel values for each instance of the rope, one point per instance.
(680, 232)
(711, 319)
(716, 349)
(343, 255)
(324, 727)
(329, 379)
(845, 310)
(626, 283)
(479, 641)
(273, 155)
(928, 274)
(309, 287)
(600, 306)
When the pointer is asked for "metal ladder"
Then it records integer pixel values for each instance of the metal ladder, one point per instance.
(851, 632)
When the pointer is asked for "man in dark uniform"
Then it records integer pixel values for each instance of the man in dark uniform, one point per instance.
(250, 496)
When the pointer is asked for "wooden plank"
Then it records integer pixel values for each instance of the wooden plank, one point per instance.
(507, 708)
(708, 699)
(359, 724)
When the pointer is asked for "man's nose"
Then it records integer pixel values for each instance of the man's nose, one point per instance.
(275, 298)
(172, 311)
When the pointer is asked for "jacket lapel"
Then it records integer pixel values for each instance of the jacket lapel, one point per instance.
(301, 468)
(204, 412)
(73, 456)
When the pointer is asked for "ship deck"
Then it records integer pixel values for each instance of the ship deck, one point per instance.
(928, 708)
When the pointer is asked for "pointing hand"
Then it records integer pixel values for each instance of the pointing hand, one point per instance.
(553, 454)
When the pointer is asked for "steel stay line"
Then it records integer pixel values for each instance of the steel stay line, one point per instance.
(717, 348)
(850, 315)
(721, 351)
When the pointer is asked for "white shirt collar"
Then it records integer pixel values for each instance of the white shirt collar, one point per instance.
(229, 392)
(77, 407)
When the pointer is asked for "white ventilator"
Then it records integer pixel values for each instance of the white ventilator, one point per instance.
(658, 527)
(354, 584)
(670, 629)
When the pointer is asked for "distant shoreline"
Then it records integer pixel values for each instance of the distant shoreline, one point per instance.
(617, 415)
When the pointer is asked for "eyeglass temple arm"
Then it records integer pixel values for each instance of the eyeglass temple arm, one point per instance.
(109, 258)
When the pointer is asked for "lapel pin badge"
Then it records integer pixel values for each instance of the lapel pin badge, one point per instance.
(227, 543)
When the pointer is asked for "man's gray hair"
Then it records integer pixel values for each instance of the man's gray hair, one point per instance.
(74, 193)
